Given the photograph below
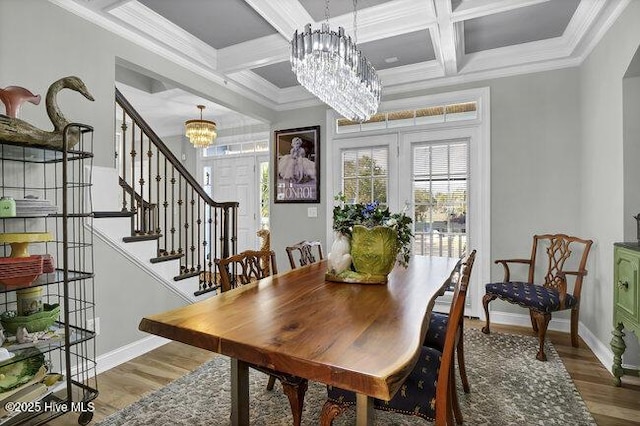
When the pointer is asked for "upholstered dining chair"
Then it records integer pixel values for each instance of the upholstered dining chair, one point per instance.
(303, 251)
(547, 294)
(438, 328)
(247, 267)
(428, 392)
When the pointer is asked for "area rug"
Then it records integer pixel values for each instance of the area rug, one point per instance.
(508, 387)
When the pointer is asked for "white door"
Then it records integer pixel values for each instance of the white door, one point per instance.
(235, 179)
(428, 173)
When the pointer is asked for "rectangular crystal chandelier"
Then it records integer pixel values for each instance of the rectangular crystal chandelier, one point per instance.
(329, 65)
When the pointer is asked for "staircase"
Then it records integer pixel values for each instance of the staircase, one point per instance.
(152, 210)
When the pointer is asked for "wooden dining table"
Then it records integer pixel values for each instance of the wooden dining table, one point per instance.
(360, 337)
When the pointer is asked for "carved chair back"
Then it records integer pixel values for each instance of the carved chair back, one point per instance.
(305, 251)
(445, 384)
(246, 267)
(559, 250)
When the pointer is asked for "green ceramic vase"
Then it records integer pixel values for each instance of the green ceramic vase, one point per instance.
(374, 250)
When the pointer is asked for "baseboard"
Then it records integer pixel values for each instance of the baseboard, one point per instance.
(128, 352)
(599, 349)
(508, 318)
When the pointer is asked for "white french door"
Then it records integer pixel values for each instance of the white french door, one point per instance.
(428, 173)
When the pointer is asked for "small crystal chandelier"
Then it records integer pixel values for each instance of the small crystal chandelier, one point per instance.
(201, 133)
(330, 66)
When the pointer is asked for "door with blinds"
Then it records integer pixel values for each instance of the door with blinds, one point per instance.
(427, 174)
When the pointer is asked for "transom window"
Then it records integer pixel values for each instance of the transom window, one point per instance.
(411, 117)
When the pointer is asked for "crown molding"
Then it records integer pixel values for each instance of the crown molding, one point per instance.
(470, 9)
(609, 15)
(106, 22)
(163, 31)
(387, 20)
(148, 30)
(502, 57)
(581, 21)
(410, 73)
(470, 77)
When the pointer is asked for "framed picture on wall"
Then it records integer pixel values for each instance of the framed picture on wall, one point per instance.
(297, 165)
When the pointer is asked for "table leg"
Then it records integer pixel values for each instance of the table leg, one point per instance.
(239, 393)
(364, 410)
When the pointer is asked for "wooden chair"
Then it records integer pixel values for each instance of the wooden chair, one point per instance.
(438, 328)
(550, 296)
(304, 249)
(432, 378)
(247, 267)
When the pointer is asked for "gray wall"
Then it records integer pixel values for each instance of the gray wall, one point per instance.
(35, 51)
(289, 222)
(535, 146)
(124, 294)
(631, 153)
(41, 42)
(603, 210)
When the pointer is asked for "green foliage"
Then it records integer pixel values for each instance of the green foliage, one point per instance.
(345, 216)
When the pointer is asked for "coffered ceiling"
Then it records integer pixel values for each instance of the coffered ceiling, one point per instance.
(414, 44)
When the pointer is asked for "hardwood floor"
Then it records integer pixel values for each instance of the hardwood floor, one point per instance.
(609, 405)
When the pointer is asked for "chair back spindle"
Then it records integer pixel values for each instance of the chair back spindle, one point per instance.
(305, 253)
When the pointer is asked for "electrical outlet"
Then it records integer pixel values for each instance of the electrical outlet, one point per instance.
(93, 324)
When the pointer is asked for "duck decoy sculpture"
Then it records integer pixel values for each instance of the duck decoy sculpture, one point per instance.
(14, 96)
(19, 131)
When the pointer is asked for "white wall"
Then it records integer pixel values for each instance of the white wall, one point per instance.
(602, 164)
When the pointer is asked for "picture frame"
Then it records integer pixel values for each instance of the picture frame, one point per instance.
(297, 165)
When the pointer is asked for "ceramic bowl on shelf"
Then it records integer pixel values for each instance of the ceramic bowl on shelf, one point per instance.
(39, 321)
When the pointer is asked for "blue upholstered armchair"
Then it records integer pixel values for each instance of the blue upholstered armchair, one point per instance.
(551, 292)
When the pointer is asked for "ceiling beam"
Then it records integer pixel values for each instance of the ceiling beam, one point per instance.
(386, 20)
(285, 16)
(106, 5)
(448, 38)
(253, 53)
(470, 9)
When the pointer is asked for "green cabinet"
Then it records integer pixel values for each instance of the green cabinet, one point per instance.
(626, 300)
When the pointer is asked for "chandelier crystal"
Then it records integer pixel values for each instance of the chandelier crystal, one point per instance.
(201, 133)
(329, 65)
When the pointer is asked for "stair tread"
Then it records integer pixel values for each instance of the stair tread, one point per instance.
(108, 214)
(136, 238)
(166, 258)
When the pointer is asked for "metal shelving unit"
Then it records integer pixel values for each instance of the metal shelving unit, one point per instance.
(63, 177)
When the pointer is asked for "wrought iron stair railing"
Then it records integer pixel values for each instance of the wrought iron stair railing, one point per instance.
(168, 204)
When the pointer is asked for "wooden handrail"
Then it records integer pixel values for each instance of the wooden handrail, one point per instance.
(167, 153)
(169, 205)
